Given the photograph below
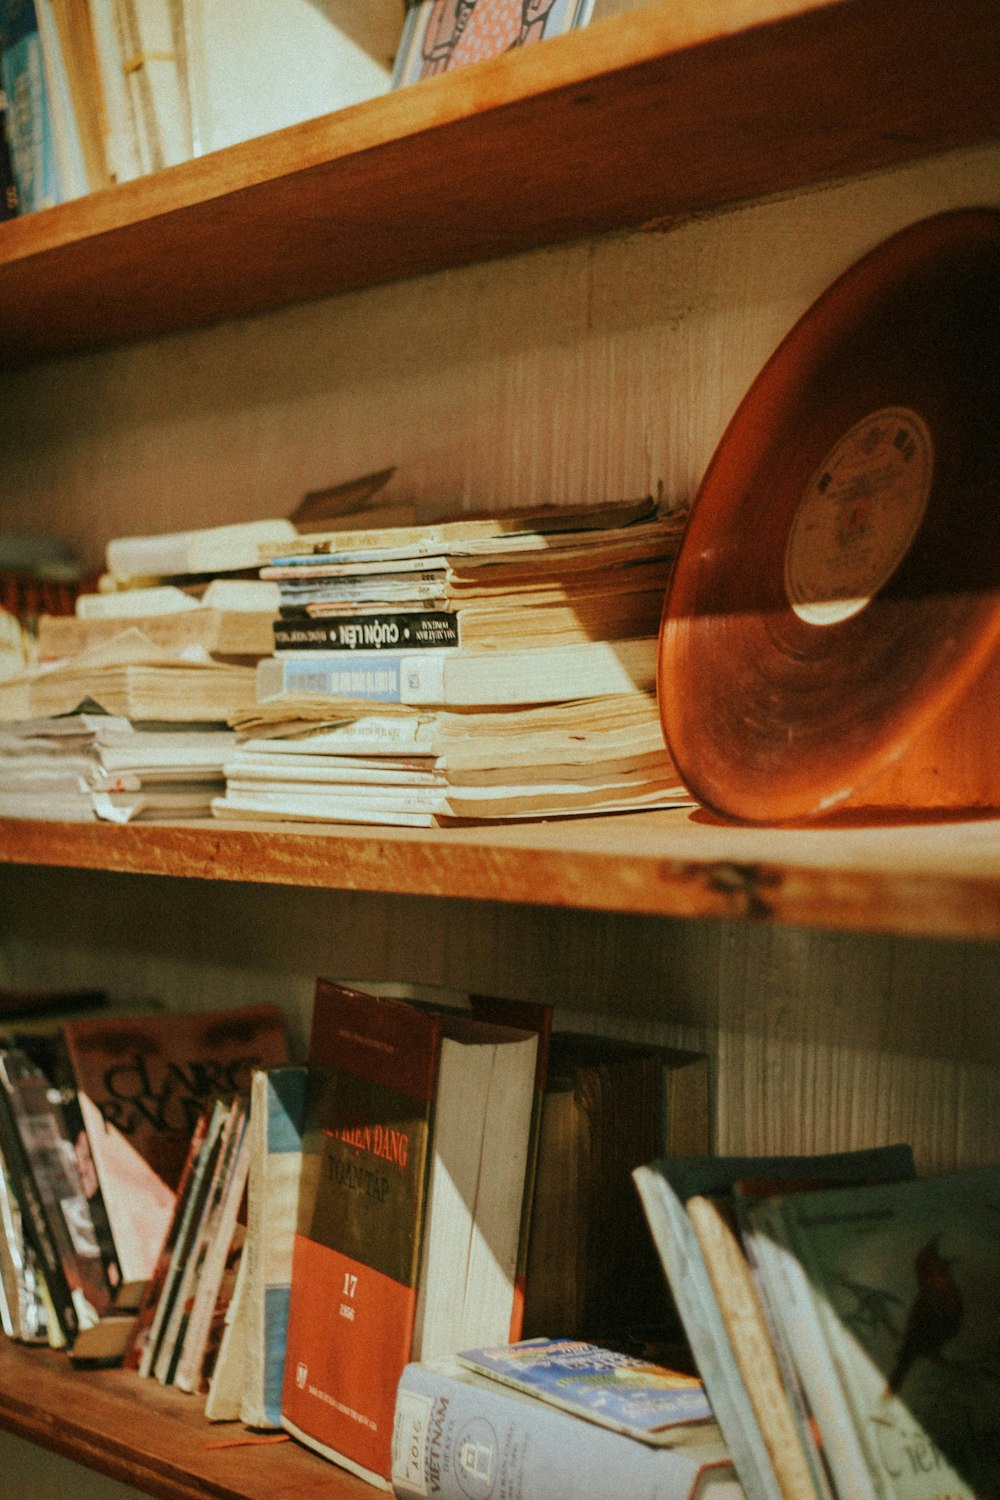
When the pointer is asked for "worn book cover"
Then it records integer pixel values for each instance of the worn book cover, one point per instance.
(902, 1280)
(405, 1239)
(277, 1107)
(616, 1390)
(665, 1186)
(142, 1082)
(461, 1436)
(47, 1174)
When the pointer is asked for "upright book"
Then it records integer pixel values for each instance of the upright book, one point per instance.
(29, 112)
(45, 1172)
(415, 1150)
(609, 1106)
(254, 1341)
(739, 1365)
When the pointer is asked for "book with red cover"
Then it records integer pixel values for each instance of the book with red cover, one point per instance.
(142, 1082)
(415, 1150)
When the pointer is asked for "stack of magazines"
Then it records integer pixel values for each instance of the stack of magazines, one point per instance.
(476, 670)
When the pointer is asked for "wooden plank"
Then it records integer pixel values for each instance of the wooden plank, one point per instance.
(940, 879)
(154, 1438)
(671, 109)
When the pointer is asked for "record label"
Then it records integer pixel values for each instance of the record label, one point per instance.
(859, 516)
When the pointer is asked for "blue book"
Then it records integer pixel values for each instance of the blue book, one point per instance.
(616, 1390)
(29, 115)
(277, 1106)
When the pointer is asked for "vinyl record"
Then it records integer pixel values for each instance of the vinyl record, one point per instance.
(837, 593)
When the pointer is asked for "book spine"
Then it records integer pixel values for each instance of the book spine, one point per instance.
(383, 631)
(390, 677)
(29, 120)
(676, 1242)
(136, 1356)
(8, 186)
(786, 1288)
(77, 1131)
(277, 1107)
(455, 1437)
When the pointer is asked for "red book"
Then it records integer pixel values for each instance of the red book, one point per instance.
(142, 1083)
(415, 1152)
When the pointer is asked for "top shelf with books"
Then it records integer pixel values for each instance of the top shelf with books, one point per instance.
(919, 879)
(671, 109)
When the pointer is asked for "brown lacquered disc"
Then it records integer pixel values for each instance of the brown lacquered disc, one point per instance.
(837, 588)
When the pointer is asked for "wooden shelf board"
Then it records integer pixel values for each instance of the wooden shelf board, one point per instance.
(940, 879)
(675, 108)
(151, 1437)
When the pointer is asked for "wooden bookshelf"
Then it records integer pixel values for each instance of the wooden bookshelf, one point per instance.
(670, 111)
(667, 111)
(933, 878)
(153, 1437)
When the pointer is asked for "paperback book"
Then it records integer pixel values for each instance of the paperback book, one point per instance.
(461, 1436)
(627, 1394)
(739, 1367)
(887, 1295)
(142, 1083)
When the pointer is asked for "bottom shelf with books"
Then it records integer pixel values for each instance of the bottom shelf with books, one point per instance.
(152, 1437)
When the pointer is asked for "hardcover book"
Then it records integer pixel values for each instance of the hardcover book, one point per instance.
(593, 1271)
(415, 1151)
(142, 1083)
(461, 1436)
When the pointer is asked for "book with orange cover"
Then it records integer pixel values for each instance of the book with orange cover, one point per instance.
(415, 1151)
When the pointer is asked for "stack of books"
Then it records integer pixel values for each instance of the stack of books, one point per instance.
(464, 671)
(178, 622)
(79, 767)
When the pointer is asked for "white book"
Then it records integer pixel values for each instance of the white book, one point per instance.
(73, 182)
(452, 676)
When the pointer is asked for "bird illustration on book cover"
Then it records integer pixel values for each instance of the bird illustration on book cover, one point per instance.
(907, 1277)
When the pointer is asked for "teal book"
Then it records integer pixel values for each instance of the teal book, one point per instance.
(665, 1187)
(29, 111)
(889, 1295)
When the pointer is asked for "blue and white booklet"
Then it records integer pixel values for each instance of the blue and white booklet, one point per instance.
(620, 1391)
